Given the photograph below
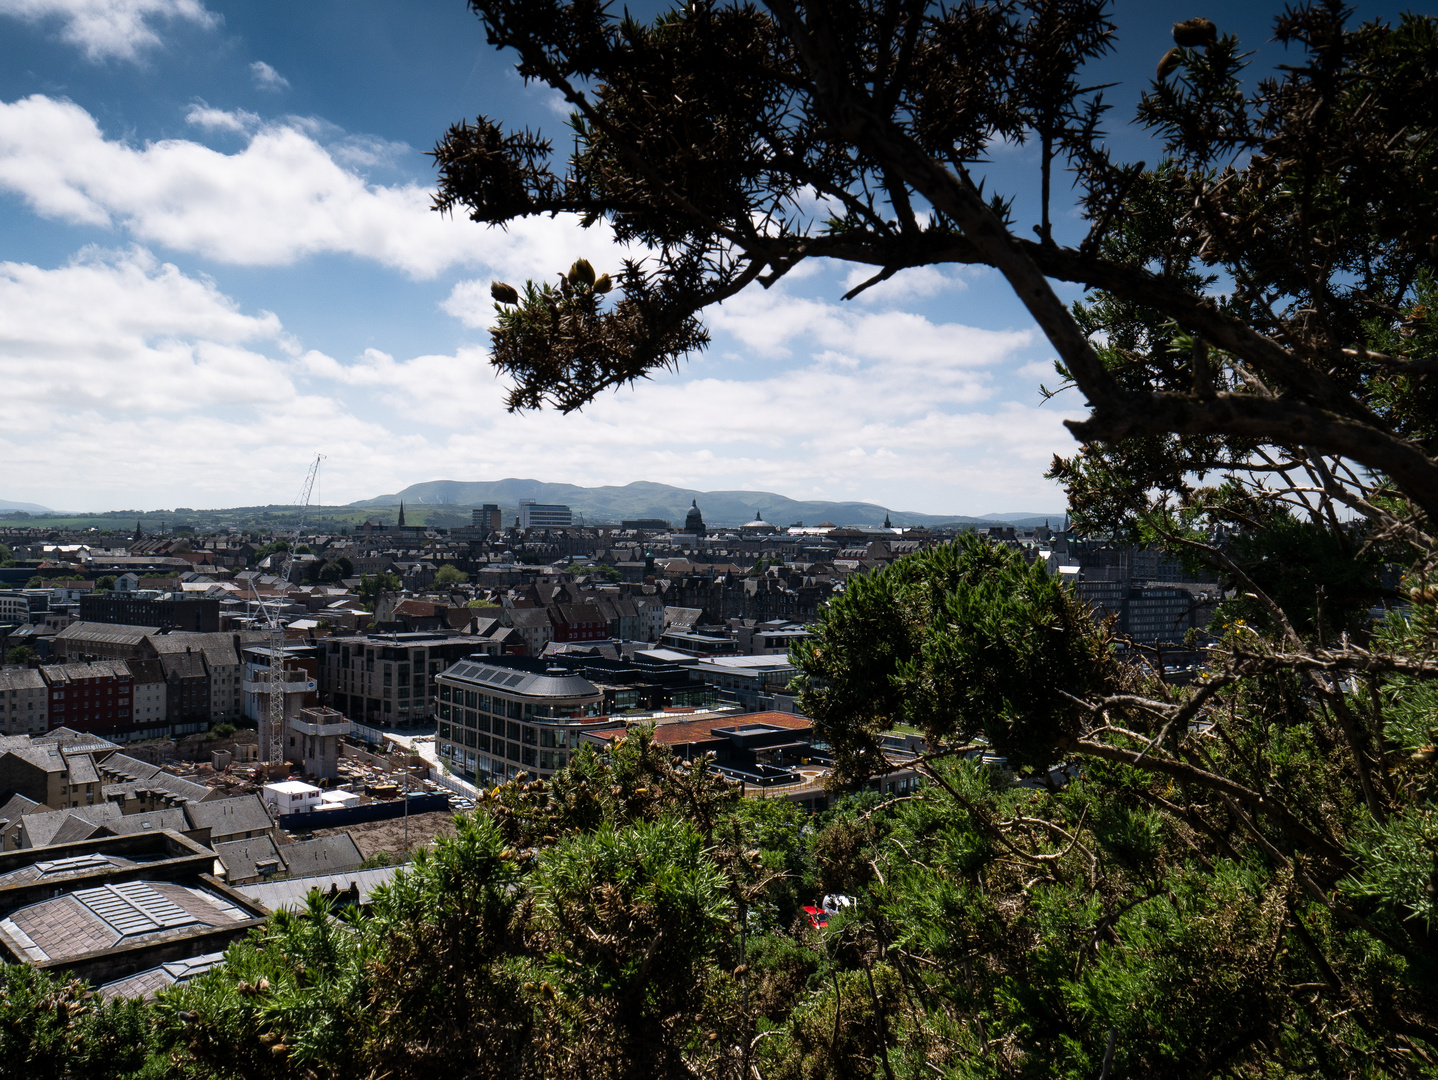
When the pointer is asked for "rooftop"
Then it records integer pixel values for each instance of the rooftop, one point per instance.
(555, 683)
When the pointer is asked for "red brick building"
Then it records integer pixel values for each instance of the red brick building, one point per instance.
(94, 697)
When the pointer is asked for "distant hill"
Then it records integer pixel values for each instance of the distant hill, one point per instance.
(643, 499)
(29, 508)
(1026, 520)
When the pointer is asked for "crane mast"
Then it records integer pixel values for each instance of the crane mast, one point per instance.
(272, 735)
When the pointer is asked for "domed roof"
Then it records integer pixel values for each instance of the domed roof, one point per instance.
(693, 515)
(758, 522)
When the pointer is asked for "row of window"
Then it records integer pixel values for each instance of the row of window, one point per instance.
(472, 699)
(492, 767)
(520, 733)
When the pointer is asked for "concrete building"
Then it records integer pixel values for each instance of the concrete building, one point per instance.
(313, 740)
(535, 515)
(24, 702)
(147, 703)
(14, 607)
(487, 517)
(501, 715)
(169, 611)
(102, 641)
(388, 680)
(291, 797)
(51, 774)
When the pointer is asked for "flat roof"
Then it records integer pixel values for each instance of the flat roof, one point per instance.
(519, 682)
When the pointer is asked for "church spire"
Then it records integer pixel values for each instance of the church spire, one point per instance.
(401, 514)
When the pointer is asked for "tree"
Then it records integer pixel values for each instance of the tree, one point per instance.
(372, 586)
(35, 582)
(105, 584)
(23, 655)
(1257, 350)
(449, 574)
(706, 135)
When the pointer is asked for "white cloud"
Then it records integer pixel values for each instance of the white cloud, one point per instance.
(284, 197)
(120, 331)
(110, 29)
(240, 120)
(883, 406)
(914, 283)
(126, 378)
(267, 78)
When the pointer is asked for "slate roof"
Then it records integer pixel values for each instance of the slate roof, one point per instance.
(114, 634)
(184, 665)
(146, 984)
(77, 823)
(161, 781)
(241, 858)
(294, 893)
(124, 767)
(226, 817)
(16, 807)
(218, 649)
(324, 855)
(21, 679)
(64, 674)
(82, 769)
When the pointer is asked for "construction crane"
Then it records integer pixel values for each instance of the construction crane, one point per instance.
(272, 724)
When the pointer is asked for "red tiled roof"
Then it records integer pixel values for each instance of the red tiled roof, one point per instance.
(692, 731)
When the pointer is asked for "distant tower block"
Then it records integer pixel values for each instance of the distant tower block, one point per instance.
(535, 515)
(486, 517)
(694, 520)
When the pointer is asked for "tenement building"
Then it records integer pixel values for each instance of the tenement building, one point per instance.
(502, 715)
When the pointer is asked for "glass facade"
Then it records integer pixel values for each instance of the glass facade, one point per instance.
(489, 735)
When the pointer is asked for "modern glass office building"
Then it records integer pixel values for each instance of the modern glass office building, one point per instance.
(502, 715)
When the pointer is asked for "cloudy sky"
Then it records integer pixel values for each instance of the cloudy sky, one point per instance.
(217, 259)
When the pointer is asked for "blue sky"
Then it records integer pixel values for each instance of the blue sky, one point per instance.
(217, 259)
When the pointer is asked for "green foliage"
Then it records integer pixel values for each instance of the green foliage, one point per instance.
(22, 654)
(54, 1030)
(371, 586)
(35, 582)
(105, 584)
(449, 574)
(331, 571)
(222, 731)
(961, 641)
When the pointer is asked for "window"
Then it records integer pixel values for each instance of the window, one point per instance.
(484, 702)
(443, 691)
(514, 711)
(444, 712)
(511, 751)
(470, 719)
(512, 731)
(482, 722)
(529, 756)
(471, 699)
(529, 734)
